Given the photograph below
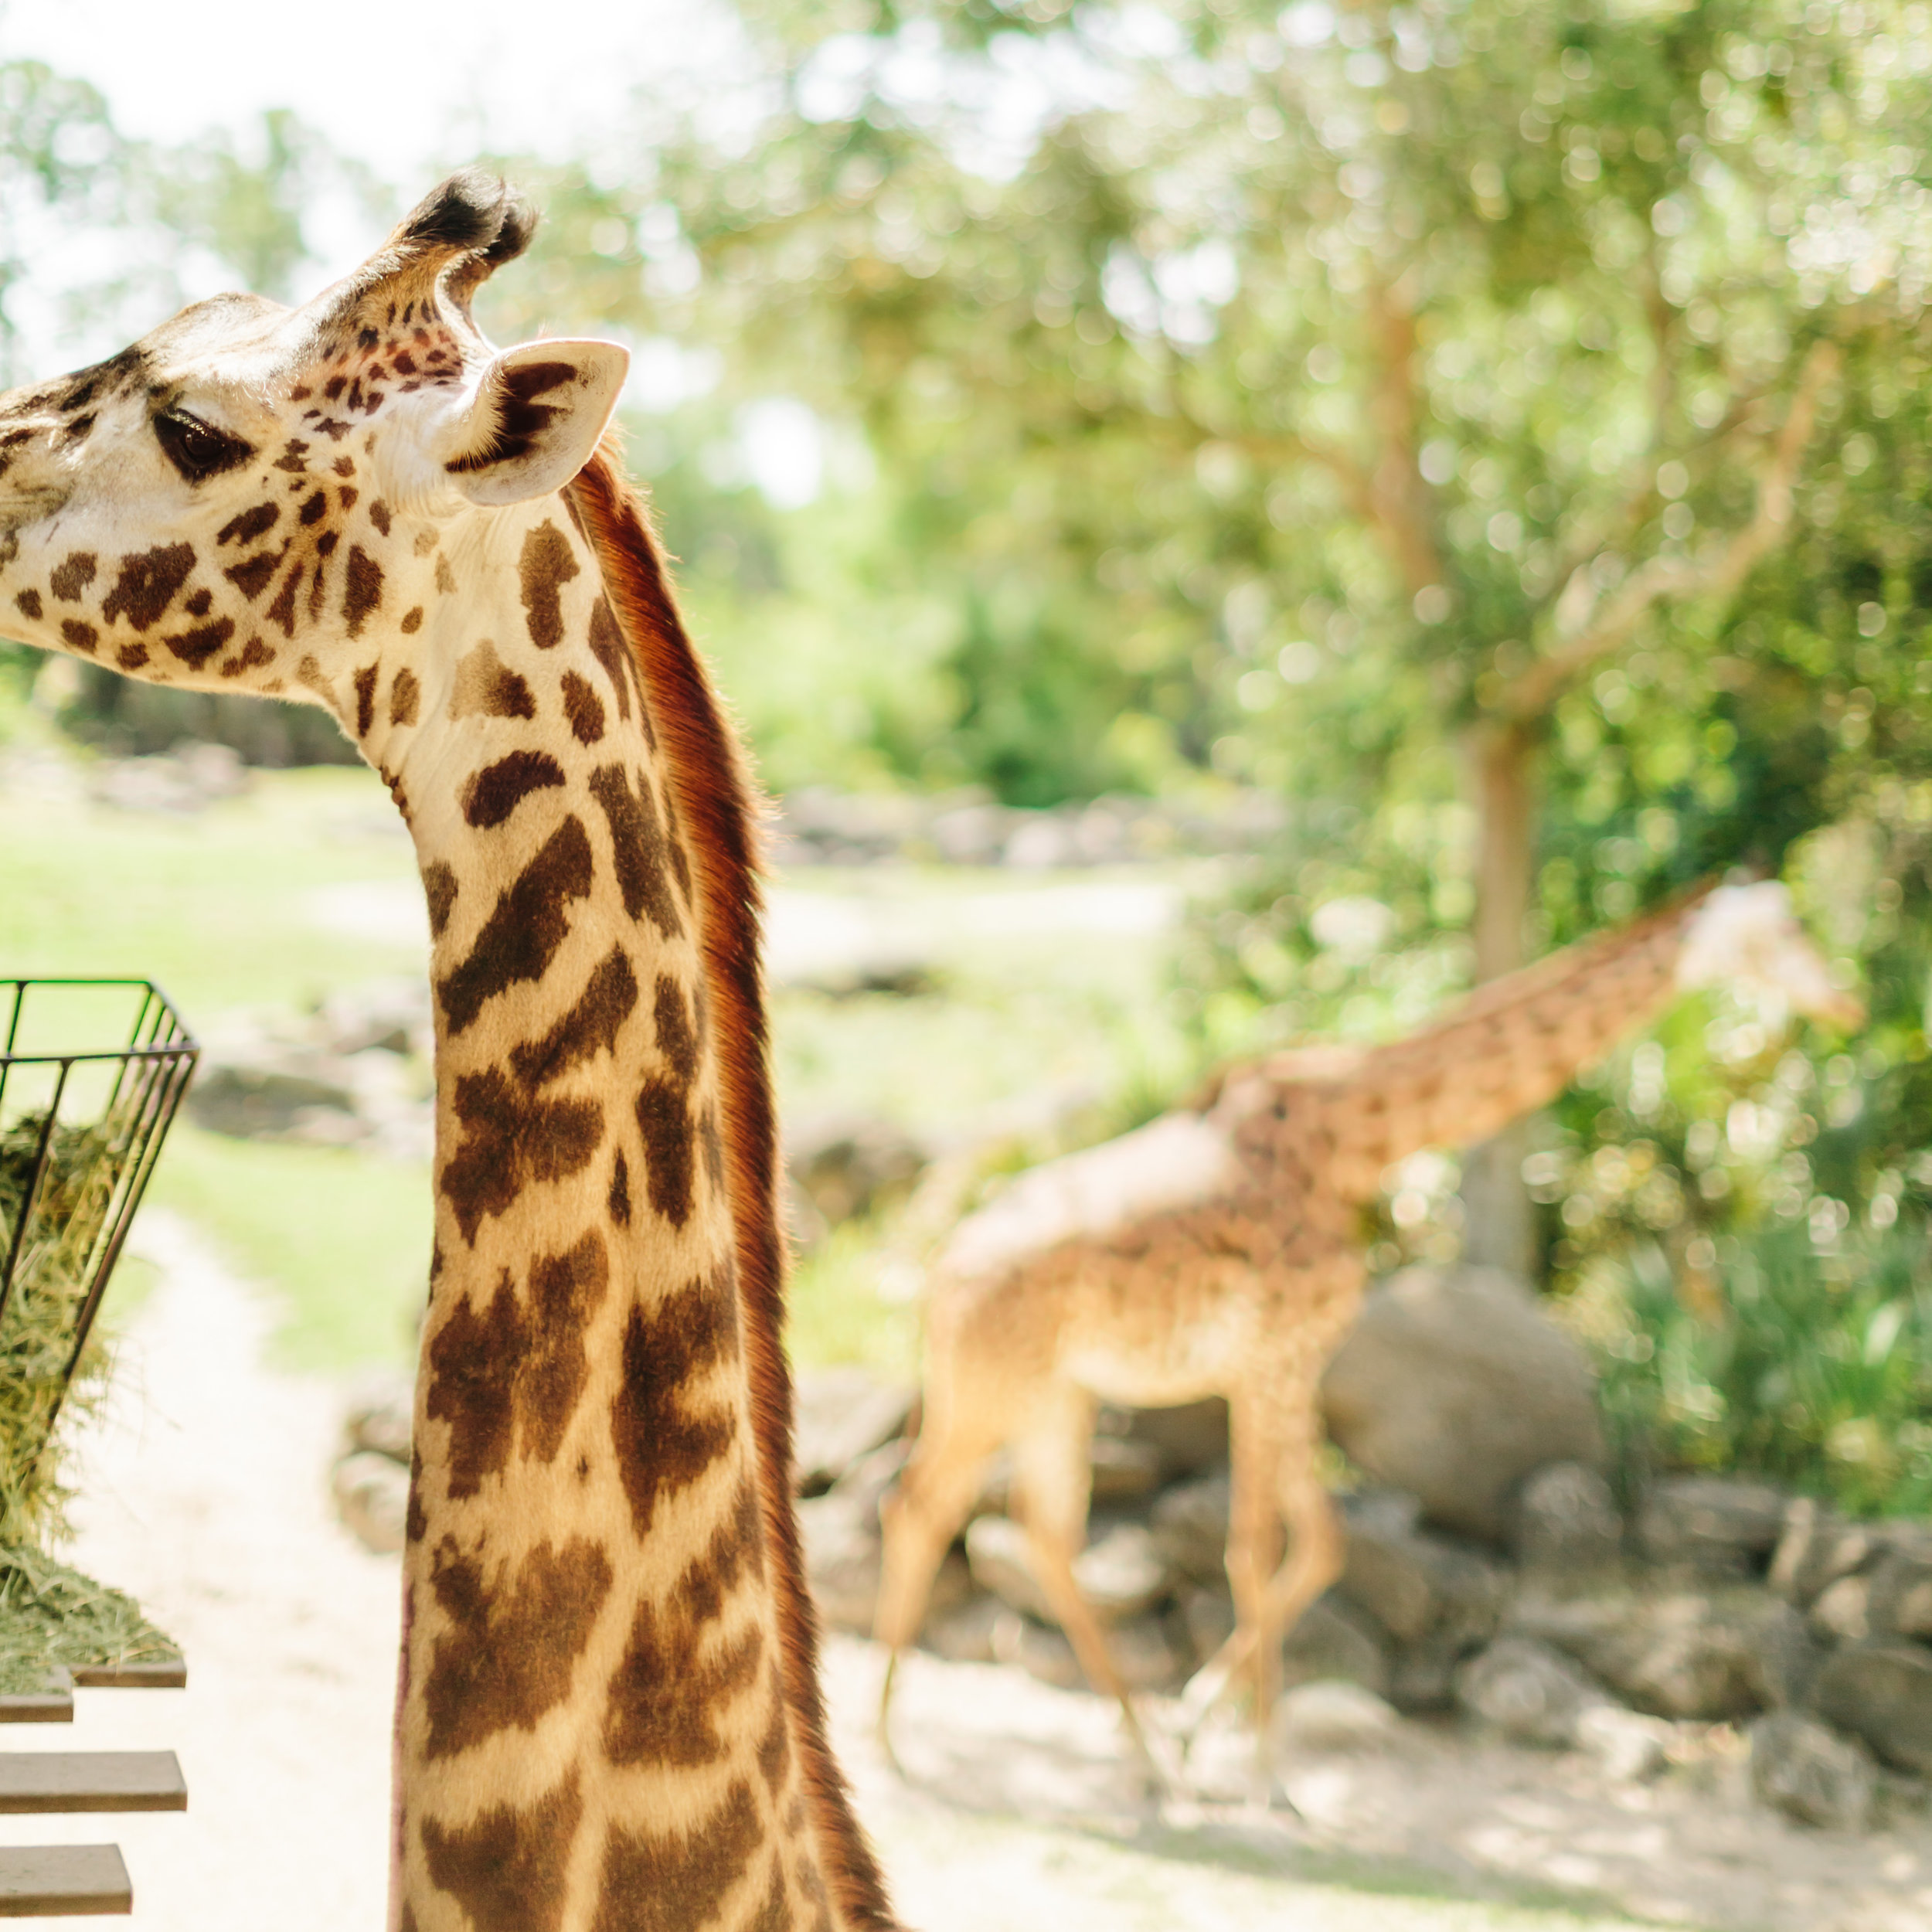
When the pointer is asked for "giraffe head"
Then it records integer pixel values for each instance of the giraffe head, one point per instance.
(252, 498)
(1750, 936)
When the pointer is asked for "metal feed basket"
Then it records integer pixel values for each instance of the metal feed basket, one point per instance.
(81, 1124)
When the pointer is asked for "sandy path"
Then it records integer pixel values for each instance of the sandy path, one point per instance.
(205, 1493)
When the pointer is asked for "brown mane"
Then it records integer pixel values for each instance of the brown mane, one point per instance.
(714, 797)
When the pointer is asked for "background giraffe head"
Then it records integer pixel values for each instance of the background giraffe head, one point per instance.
(238, 499)
(1749, 936)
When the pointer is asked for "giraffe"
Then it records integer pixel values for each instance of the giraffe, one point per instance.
(608, 1717)
(1217, 1251)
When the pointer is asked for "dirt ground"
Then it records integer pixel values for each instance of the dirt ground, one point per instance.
(205, 1493)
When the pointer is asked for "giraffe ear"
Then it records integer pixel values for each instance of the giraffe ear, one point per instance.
(538, 413)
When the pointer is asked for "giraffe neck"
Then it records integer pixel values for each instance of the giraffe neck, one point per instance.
(597, 1718)
(1513, 1046)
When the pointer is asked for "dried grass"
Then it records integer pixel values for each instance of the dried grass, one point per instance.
(49, 1613)
(37, 1329)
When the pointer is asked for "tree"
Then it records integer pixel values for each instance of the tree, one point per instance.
(1365, 379)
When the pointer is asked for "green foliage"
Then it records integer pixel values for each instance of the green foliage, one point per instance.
(1809, 1375)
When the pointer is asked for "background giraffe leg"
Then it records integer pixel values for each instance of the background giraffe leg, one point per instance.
(920, 1518)
(1316, 1553)
(1253, 1549)
(1053, 1475)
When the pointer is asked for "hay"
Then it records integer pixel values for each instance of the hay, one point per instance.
(52, 1614)
(50, 1282)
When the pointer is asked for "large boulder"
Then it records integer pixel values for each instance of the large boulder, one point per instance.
(1455, 1386)
(1882, 1694)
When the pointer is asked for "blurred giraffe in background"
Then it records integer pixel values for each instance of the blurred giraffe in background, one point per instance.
(1217, 1251)
(608, 1714)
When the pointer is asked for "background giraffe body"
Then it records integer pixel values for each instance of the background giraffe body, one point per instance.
(1217, 1251)
(607, 1716)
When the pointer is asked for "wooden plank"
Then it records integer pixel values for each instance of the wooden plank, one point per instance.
(91, 1781)
(170, 1673)
(62, 1881)
(52, 1705)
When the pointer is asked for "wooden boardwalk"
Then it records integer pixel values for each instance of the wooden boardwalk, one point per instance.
(69, 1881)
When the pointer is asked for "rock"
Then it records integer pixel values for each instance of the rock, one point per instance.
(848, 1167)
(869, 1478)
(1121, 1573)
(1811, 1773)
(1567, 1533)
(1123, 1471)
(1816, 1548)
(842, 1560)
(379, 1419)
(1422, 1677)
(267, 1101)
(381, 1016)
(1331, 1641)
(965, 1635)
(1529, 1691)
(1881, 1693)
(1038, 1649)
(1331, 1716)
(1902, 1595)
(1208, 1616)
(1455, 1386)
(996, 1552)
(1144, 1650)
(1190, 1523)
(372, 1495)
(1191, 1437)
(1712, 1655)
(1893, 1598)
(1842, 1614)
(843, 1414)
(1629, 1747)
(1724, 1526)
(1417, 1585)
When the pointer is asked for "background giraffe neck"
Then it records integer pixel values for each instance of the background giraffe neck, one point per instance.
(1513, 1046)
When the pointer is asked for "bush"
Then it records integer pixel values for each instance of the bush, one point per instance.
(1774, 1362)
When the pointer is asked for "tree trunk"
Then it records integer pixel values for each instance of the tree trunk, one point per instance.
(1499, 1228)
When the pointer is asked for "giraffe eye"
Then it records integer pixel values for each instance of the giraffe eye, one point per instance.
(195, 448)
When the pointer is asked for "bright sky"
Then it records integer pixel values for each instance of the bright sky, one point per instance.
(407, 88)
(411, 90)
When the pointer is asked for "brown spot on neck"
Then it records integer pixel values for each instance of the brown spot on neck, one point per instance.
(547, 563)
(507, 1868)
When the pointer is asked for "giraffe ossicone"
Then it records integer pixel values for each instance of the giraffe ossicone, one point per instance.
(608, 1714)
